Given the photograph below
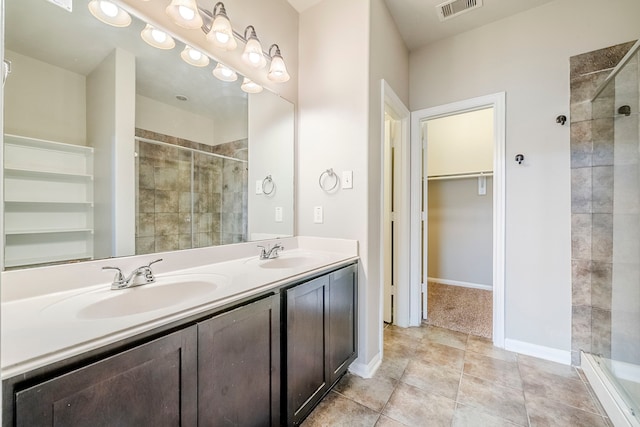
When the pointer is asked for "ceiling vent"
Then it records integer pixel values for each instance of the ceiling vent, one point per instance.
(452, 8)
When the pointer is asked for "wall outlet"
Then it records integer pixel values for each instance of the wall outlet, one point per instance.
(347, 179)
(278, 214)
(318, 216)
(482, 186)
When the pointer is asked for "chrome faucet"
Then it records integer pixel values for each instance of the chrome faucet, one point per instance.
(270, 252)
(139, 276)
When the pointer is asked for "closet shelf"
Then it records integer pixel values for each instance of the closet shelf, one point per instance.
(459, 175)
(48, 231)
(36, 173)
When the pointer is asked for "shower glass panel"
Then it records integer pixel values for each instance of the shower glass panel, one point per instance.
(616, 331)
(186, 198)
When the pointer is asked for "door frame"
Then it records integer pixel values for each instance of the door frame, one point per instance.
(498, 102)
(392, 104)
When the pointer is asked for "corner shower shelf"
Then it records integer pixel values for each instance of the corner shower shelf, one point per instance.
(48, 201)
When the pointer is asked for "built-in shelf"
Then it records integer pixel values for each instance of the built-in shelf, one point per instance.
(48, 201)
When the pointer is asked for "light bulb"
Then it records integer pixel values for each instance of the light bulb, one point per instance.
(225, 73)
(194, 57)
(157, 38)
(108, 8)
(109, 13)
(186, 13)
(250, 86)
(222, 37)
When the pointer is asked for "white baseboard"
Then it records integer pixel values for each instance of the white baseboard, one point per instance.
(366, 370)
(461, 284)
(542, 352)
(612, 403)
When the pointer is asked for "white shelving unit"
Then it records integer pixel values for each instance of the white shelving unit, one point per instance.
(48, 201)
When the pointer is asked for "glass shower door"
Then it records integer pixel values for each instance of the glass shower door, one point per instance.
(620, 357)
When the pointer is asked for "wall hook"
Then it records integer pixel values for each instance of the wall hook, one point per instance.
(519, 158)
(562, 119)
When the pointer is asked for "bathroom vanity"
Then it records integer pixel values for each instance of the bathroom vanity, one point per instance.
(262, 349)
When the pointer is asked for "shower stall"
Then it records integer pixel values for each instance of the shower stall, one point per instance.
(189, 197)
(612, 360)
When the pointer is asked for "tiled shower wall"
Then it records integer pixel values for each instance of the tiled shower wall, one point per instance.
(592, 178)
(174, 211)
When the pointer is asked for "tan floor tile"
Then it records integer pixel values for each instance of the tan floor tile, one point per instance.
(494, 370)
(547, 412)
(559, 389)
(446, 337)
(393, 364)
(400, 342)
(370, 392)
(432, 378)
(388, 422)
(336, 410)
(414, 407)
(467, 416)
(486, 348)
(439, 354)
(534, 365)
(493, 399)
(413, 332)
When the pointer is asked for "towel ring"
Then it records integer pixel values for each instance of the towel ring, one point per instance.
(265, 183)
(329, 173)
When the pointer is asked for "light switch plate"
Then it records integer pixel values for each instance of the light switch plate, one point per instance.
(482, 185)
(318, 216)
(278, 214)
(347, 179)
(258, 187)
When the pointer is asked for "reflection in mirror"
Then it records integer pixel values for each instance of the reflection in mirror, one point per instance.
(115, 148)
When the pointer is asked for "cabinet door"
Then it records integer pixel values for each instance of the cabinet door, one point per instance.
(306, 376)
(342, 317)
(239, 366)
(154, 384)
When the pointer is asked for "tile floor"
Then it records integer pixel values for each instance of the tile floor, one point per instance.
(436, 377)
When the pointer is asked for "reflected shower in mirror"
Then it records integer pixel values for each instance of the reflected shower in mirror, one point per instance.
(115, 148)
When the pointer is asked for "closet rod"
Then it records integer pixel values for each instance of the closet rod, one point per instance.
(459, 175)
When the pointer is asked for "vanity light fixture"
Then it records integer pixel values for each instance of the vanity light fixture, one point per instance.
(109, 13)
(185, 13)
(250, 86)
(277, 71)
(157, 38)
(221, 34)
(194, 57)
(252, 53)
(225, 73)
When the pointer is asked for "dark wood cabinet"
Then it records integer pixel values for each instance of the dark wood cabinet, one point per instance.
(153, 384)
(239, 366)
(320, 338)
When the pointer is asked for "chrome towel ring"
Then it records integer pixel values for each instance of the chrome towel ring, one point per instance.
(329, 173)
(265, 185)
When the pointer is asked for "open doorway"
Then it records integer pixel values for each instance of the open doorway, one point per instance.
(458, 201)
(420, 209)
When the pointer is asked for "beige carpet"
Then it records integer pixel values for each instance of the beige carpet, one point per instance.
(460, 309)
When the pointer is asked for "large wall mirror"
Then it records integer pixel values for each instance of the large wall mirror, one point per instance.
(115, 148)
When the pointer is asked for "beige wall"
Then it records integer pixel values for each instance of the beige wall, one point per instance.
(44, 101)
(527, 56)
(462, 143)
(340, 127)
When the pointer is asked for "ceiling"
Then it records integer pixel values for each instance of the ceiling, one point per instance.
(418, 21)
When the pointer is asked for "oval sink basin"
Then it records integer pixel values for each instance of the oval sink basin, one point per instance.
(167, 292)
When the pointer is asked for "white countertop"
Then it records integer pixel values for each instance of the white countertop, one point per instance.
(42, 327)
